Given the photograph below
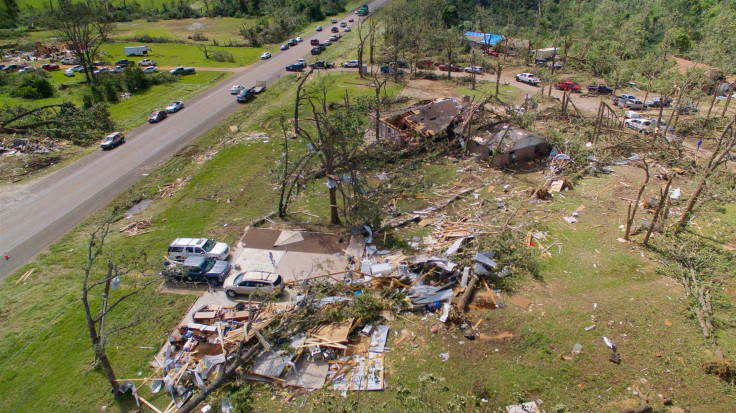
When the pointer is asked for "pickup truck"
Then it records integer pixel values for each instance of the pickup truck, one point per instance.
(196, 269)
(182, 71)
(567, 85)
(619, 100)
(527, 78)
(147, 62)
(601, 89)
(125, 63)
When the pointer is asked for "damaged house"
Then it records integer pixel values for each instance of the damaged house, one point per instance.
(507, 144)
(424, 120)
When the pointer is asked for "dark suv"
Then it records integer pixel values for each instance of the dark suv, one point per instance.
(246, 95)
(196, 269)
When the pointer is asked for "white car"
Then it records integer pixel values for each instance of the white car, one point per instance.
(146, 62)
(474, 69)
(265, 55)
(352, 63)
(250, 282)
(527, 78)
(183, 248)
(630, 114)
(174, 106)
(69, 72)
(236, 89)
(119, 69)
(150, 69)
(77, 68)
(68, 61)
(299, 39)
(283, 47)
(301, 61)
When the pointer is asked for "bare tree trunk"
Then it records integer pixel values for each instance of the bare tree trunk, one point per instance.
(712, 102)
(498, 74)
(472, 60)
(631, 216)
(334, 212)
(662, 198)
(728, 99)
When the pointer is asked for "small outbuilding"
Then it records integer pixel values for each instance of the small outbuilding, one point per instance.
(423, 120)
(507, 144)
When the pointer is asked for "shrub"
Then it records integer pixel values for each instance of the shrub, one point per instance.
(221, 56)
(32, 86)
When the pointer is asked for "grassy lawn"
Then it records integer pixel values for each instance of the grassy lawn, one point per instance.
(221, 29)
(177, 54)
(133, 111)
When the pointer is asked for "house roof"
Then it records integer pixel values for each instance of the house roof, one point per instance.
(435, 116)
(510, 137)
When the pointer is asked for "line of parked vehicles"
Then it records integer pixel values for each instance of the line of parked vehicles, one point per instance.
(202, 260)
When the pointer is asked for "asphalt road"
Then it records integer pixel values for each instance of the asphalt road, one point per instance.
(36, 214)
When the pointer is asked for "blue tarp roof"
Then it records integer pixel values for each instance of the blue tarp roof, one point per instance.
(489, 39)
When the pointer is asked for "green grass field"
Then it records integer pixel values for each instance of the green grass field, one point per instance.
(177, 54)
(133, 111)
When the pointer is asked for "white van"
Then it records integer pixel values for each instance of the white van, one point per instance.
(183, 248)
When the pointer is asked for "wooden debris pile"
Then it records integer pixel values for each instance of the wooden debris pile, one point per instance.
(169, 190)
(136, 227)
(446, 198)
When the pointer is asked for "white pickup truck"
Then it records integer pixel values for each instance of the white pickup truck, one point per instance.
(527, 78)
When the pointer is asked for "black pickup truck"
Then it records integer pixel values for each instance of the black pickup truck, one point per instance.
(600, 89)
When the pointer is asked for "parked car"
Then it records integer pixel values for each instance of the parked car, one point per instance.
(179, 70)
(314, 42)
(245, 96)
(618, 100)
(490, 52)
(351, 20)
(527, 78)
(319, 28)
(302, 61)
(119, 69)
(630, 114)
(633, 104)
(474, 69)
(391, 70)
(292, 42)
(265, 55)
(351, 64)
(68, 61)
(453, 68)
(658, 101)
(112, 140)
(175, 106)
(296, 67)
(316, 51)
(183, 248)
(236, 89)
(567, 86)
(343, 24)
(601, 89)
(146, 62)
(284, 47)
(78, 68)
(50, 67)
(334, 29)
(347, 29)
(250, 282)
(333, 38)
(153, 69)
(540, 62)
(321, 64)
(125, 62)
(27, 69)
(69, 73)
(333, 21)
(299, 39)
(157, 116)
(327, 43)
(639, 124)
(199, 269)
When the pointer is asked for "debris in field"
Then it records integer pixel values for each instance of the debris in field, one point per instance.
(675, 195)
(528, 407)
(615, 358)
(570, 220)
(609, 343)
(137, 227)
(445, 356)
(169, 190)
(577, 348)
(496, 336)
(588, 328)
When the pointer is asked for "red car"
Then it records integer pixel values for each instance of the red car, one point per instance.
(454, 68)
(490, 52)
(567, 85)
(157, 116)
(50, 67)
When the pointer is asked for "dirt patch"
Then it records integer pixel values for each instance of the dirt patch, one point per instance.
(426, 89)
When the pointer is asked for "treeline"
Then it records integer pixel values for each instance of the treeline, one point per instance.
(274, 15)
